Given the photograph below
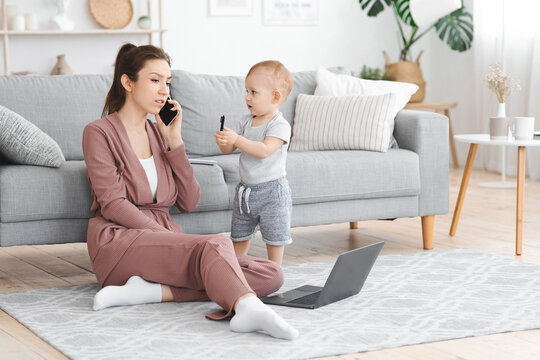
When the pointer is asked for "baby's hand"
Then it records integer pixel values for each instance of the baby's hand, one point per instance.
(226, 137)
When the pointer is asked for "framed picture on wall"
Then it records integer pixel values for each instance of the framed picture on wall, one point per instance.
(291, 12)
(230, 7)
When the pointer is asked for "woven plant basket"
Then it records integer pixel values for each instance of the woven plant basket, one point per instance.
(111, 14)
(410, 72)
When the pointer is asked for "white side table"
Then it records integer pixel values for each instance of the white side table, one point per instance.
(475, 140)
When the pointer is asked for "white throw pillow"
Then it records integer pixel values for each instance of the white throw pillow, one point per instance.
(343, 122)
(330, 84)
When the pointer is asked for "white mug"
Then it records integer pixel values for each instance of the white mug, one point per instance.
(498, 128)
(524, 127)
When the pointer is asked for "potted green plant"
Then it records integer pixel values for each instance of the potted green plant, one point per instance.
(373, 73)
(454, 29)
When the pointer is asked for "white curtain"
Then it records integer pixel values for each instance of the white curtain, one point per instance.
(508, 32)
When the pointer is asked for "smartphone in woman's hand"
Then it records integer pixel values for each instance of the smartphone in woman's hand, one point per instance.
(166, 113)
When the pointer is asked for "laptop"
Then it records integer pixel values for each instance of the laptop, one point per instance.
(346, 279)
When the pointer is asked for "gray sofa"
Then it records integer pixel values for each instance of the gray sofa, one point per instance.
(41, 205)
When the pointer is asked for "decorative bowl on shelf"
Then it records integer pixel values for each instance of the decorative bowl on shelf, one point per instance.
(144, 22)
(111, 14)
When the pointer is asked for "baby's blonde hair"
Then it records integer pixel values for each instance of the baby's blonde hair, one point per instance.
(281, 77)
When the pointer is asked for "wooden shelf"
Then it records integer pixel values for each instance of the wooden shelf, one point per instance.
(82, 32)
(5, 33)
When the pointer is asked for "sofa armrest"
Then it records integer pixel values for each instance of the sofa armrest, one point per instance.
(426, 133)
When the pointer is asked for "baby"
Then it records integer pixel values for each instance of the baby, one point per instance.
(263, 197)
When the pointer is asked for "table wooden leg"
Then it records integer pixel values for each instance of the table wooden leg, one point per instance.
(452, 144)
(519, 197)
(463, 187)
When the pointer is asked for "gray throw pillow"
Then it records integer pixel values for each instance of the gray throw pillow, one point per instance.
(21, 142)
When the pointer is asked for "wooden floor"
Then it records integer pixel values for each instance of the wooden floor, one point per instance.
(487, 224)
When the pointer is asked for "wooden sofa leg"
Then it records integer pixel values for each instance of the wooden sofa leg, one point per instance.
(427, 231)
(353, 225)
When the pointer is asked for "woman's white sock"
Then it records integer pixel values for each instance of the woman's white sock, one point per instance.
(253, 315)
(136, 291)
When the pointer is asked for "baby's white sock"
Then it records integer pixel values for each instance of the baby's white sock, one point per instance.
(253, 315)
(136, 291)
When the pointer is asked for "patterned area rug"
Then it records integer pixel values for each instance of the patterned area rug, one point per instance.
(407, 299)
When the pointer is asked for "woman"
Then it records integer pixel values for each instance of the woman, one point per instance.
(139, 169)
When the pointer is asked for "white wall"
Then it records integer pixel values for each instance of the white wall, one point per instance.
(452, 78)
(220, 45)
(224, 45)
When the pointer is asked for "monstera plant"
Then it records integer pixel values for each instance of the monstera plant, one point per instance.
(454, 28)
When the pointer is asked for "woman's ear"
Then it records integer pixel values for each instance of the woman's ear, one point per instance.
(126, 82)
(276, 97)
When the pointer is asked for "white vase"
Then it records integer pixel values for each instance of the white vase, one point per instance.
(501, 110)
(61, 21)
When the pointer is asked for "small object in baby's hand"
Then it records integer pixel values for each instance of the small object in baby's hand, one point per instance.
(221, 121)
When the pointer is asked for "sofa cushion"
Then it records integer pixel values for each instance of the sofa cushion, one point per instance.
(60, 106)
(304, 82)
(320, 176)
(229, 165)
(330, 84)
(343, 122)
(39, 193)
(214, 191)
(205, 98)
(24, 143)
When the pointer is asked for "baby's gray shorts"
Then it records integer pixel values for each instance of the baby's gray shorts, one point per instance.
(266, 206)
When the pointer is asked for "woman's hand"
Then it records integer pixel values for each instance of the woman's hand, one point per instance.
(173, 132)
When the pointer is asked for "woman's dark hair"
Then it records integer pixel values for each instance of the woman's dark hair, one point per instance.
(130, 60)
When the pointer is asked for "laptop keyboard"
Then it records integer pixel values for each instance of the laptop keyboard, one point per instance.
(306, 300)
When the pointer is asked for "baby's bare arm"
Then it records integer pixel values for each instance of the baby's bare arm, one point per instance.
(259, 149)
(227, 149)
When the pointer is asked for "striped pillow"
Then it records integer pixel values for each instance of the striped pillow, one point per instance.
(343, 122)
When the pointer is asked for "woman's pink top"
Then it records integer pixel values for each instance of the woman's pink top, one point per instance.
(122, 199)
